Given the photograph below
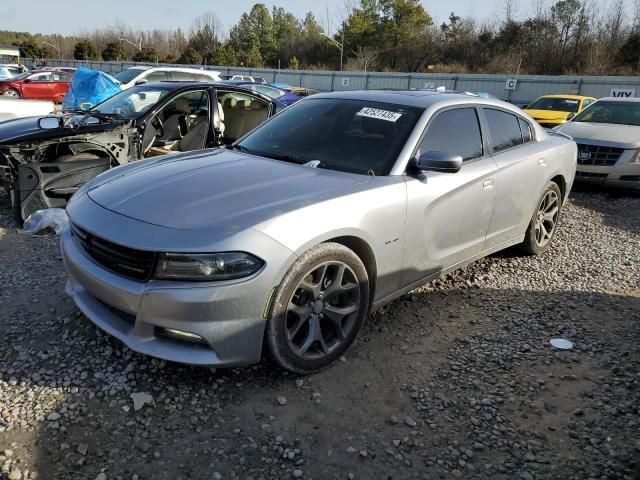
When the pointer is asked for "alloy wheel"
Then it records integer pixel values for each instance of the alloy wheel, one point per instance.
(11, 93)
(322, 311)
(547, 217)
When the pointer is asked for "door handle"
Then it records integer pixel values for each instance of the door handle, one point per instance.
(488, 183)
(542, 162)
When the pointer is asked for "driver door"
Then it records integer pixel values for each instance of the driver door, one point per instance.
(39, 87)
(448, 214)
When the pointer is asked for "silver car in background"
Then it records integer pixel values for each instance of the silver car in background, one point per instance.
(608, 138)
(287, 239)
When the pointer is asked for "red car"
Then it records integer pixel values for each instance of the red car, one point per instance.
(38, 85)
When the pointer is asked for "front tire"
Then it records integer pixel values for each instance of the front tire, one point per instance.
(12, 93)
(318, 309)
(544, 222)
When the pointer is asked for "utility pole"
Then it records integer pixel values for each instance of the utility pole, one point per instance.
(337, 45)
(137, 45)
(52, 45)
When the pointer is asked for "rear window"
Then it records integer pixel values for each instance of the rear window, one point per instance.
(125, 76)
(504, 129)
(356, 136)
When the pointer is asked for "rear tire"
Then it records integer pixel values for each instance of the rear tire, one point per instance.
(544, 222)
(318, 309)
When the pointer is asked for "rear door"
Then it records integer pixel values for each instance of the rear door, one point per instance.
(60, 83)
(522, 171)
(448, 214)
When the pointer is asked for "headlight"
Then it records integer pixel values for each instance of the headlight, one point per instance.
(206, 267)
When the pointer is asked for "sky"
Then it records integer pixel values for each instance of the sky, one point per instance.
(76, 16)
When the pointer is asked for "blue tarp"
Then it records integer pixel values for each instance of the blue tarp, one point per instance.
(88, 88)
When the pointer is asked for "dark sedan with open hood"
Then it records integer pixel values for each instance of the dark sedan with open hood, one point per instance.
(45, 160)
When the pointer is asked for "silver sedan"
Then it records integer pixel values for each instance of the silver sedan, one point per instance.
(287, 239)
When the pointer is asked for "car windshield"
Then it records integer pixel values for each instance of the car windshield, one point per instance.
(555, 103)
(125, 76)
(271, 92)
(131, 103)
(355, 136)
(619, 113)
(21, 76)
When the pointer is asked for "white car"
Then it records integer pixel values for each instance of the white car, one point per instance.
(139, 75)
(11, 108)
(241, 78)
(608, 138)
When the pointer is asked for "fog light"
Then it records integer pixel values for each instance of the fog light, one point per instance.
(180, 335)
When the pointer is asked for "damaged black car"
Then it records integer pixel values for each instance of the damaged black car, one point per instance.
(45, 160)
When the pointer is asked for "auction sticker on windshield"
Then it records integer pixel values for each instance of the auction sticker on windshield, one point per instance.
(380, 114)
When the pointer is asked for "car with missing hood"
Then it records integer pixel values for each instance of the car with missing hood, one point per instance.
(44, 160)
(289, 237)
(608, 138)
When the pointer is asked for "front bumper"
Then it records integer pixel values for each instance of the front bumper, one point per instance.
(625, 176)
(227, 317)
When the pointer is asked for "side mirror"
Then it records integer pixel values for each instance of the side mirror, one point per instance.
(27, 80)
(49, 123)
(570, 116)
(439, 162)
(524, 107)
(142, 81)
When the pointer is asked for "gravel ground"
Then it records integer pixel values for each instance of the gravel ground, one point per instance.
(455, 380)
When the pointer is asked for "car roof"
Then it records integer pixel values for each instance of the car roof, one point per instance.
(175, 69)
(570, 97)
(620, 99)
(415, 98)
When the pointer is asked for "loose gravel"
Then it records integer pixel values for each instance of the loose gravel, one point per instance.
(455, 380)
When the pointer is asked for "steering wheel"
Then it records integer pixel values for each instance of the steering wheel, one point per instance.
(157, 124)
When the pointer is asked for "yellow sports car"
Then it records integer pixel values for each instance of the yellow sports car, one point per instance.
(552, 110)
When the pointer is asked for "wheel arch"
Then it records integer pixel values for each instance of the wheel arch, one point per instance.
(364, 251)
(562, 184)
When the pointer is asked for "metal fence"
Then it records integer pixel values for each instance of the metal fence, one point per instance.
(528, 87)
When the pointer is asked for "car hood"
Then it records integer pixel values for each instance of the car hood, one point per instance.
(216, 189)
(619, 136)
(547, 115)
(23, 129)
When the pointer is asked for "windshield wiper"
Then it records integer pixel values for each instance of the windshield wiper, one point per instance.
(277, 156)
(94, 113)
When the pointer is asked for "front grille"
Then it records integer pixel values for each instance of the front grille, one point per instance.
(128, 262)
(591, 175)
(630, 178)
(597, 155)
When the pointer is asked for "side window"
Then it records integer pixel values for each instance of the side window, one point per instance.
(467, 140)
(504, 128)
(525, 129)
(58, 77)
(41, 77)
(586, 102)
(157, 76)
